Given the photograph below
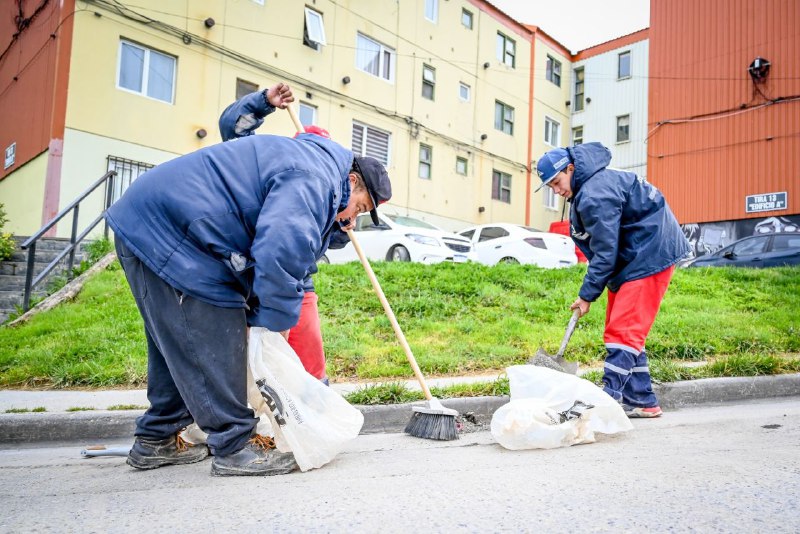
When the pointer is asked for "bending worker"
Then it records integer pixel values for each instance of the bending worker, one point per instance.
(632, 240)
(212, 242)
(241, 119)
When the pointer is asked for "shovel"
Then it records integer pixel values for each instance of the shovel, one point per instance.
(544, 359)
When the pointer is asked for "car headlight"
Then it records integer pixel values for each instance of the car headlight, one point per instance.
(424, 240)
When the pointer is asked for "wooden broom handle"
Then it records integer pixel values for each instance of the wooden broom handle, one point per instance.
(376, 286)
(390, 314)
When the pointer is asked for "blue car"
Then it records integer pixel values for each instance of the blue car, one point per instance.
(771, 250)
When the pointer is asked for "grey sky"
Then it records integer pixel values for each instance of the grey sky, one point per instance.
(580, 24)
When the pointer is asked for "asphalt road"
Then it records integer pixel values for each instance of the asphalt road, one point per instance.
(732, 468)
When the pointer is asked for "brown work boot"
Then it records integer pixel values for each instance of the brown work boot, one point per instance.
(152, 453)
(259, 457)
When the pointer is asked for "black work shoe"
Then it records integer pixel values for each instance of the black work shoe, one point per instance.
(258, 458)
(152, 453)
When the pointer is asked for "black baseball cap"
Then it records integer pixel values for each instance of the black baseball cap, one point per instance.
(377, 181)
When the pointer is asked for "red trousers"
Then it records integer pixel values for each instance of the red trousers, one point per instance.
(632, 310)
(306, 337)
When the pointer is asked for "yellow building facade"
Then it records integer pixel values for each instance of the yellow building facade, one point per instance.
(451, 94)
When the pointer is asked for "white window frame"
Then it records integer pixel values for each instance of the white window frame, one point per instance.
(628, 139)
(146, 71)
(383, 52)
(432, 11)
(425, 163)
(502, 52)
(428, 80)
(550, 199)
(462, 87)
(308, 108)
(362, 150)
(127, 171)
(619, 64)
(459, 159)
(318, 37)
(576, 137)
(549, 135)
(551, 67)
(504, 108)
(259, 2)
(470, 16)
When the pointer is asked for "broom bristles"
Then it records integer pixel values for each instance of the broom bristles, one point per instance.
(432, 426)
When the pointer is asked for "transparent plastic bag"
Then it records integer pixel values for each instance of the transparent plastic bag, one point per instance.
(542, 415)
(308, 418)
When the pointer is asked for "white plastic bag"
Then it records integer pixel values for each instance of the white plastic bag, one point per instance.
(539, 397)
(308, 418)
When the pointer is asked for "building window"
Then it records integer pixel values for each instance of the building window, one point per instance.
(127, 172)
(464, 91)
(550, 198)
(428, 82)
(554, 71)
(466, 19)
(578, 89)
(577, 136)
(623, 128)
(259, 2)
(371, 141)
(374, 58)
(308, 114)
(503, 117)
(624, 66)
(461, 165)
(244, 88)
(314, 30)
(432, 10)
(425, 161)
(501, 186)
(551, 132)
(146, 72)
(506, 50)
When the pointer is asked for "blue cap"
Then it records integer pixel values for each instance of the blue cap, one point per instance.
(551, 164)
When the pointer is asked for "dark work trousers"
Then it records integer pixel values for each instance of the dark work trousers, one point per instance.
(196, 362)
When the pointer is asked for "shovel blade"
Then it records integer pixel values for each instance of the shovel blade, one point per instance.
(542, 358)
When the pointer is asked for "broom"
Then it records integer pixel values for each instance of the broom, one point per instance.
(431, 422)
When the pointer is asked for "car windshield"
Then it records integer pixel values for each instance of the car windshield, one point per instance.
(409, 221)
(529, 228)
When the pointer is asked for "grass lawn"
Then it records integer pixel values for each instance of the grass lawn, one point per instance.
(457, 318)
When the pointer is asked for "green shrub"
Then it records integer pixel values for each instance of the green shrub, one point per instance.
(7, 243)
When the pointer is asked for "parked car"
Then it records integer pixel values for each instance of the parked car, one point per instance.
(768, 250)
(401, 238)
(513, 243)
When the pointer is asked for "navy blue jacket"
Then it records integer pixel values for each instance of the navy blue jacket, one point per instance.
(242, 118)
(252, 214)
(620, 222)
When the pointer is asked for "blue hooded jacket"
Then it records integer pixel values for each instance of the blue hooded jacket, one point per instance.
(250, 215)
(620, 222)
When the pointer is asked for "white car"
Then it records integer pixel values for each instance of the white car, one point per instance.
(401, 238)
(513, 243)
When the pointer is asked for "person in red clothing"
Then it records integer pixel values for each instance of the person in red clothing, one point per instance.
(241, 119)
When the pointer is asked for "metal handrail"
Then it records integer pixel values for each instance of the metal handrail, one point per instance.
(74, 241)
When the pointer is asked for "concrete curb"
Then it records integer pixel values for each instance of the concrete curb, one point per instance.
(96, 426)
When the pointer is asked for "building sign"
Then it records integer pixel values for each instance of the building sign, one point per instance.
(11, 155)
(765, 202)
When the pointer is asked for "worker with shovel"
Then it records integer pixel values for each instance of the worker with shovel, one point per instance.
(196, 237)
(632, 240)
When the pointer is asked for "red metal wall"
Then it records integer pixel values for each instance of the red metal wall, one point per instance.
(33, 76)
(699, 55)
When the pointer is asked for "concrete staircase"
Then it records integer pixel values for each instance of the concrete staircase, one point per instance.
(12, 271)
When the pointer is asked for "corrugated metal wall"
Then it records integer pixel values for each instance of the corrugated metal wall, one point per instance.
(720, 146)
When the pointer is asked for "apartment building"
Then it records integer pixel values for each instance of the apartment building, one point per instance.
(440, 90)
